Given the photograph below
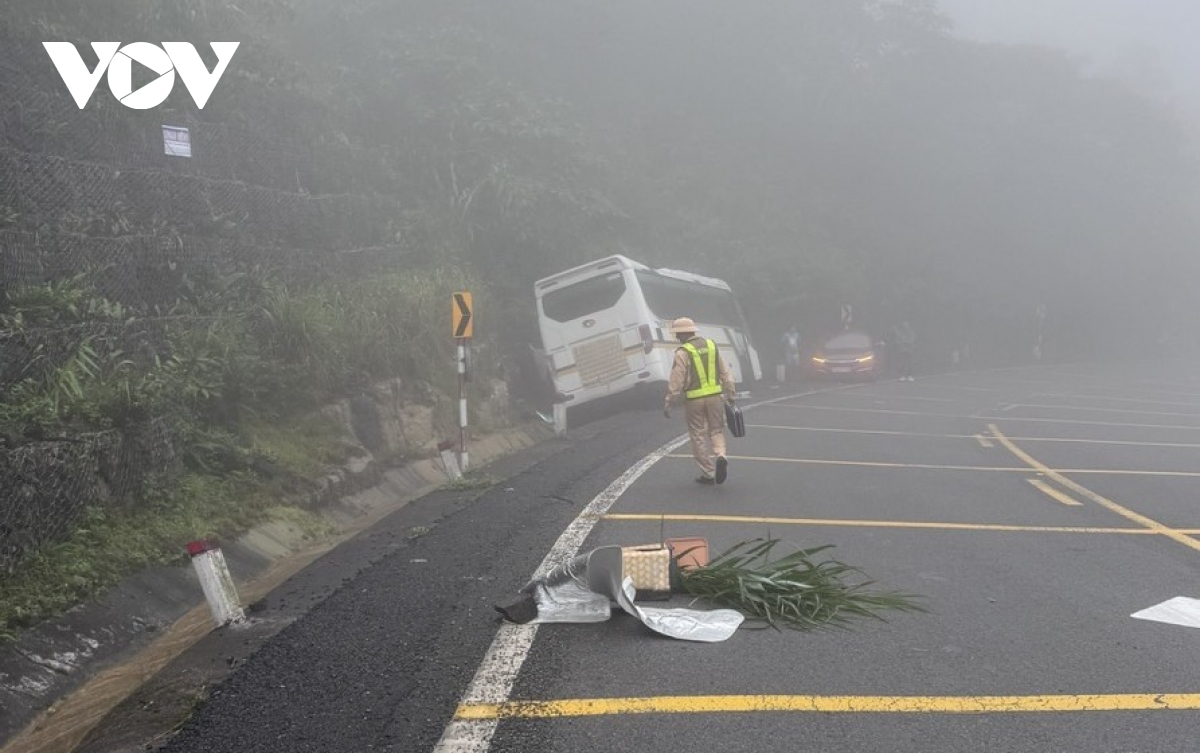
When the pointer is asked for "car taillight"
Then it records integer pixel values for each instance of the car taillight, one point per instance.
(647, 338)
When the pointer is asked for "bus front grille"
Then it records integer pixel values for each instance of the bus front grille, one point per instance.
(601, 361)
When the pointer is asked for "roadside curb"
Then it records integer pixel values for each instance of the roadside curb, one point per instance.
(86, 667)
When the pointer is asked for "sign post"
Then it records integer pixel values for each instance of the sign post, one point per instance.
(463, 329)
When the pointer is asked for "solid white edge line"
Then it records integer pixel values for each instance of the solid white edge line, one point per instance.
(493, 682)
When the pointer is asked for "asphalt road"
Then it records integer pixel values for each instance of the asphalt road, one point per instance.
(1028, 644)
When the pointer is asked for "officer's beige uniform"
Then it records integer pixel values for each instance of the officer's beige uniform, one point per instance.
(705, 415)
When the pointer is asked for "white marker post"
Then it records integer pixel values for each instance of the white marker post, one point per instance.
(216, 582)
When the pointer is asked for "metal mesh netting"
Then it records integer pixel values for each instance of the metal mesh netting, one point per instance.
(93, 191)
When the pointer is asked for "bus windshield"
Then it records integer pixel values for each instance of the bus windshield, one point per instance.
(583, 298)
(670, 298)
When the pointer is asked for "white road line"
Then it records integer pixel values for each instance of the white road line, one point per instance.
(1062, 440)
(493, 682)
(1125, 424)
(1093, 409)
(1007, 383)
(1109, 398)
(1148, 388)
(983, 441)
(1008, 419)
(1126, 390)
(805, 406)
(927, 384)
(896, 396)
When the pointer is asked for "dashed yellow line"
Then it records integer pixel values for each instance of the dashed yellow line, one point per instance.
(836, 523)
(716, 704)
(1058, 477)
(1053, 493)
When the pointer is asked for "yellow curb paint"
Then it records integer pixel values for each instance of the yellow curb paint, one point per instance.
(1061, 480)
(1053, 493)
(716, 704)
(834, 523)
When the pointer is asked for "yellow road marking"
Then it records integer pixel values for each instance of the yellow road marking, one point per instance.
(1061, 480)
(1053, 493)
(835, 523)
(933, 467)
(715, 704)
(882, 432)
(984, 441)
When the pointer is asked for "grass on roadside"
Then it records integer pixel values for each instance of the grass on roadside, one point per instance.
(109, 545)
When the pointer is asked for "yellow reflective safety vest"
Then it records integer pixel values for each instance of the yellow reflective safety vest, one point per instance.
(709, 382)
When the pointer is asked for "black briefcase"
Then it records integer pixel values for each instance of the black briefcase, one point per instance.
(734, 420)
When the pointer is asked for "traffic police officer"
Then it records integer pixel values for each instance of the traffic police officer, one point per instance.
(701, 375)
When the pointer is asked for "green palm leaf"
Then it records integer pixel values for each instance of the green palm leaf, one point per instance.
(794, 591)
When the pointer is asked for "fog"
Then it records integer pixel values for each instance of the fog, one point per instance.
(967, 169)
(874, 153)
(1148, 44)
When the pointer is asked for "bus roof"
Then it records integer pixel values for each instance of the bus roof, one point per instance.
(617, 261)
(693, 277)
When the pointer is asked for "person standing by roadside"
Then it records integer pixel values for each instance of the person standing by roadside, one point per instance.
(702, 378)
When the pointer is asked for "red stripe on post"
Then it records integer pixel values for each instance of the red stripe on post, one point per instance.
(196, 548)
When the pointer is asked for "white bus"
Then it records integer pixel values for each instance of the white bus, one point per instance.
(605, 326)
